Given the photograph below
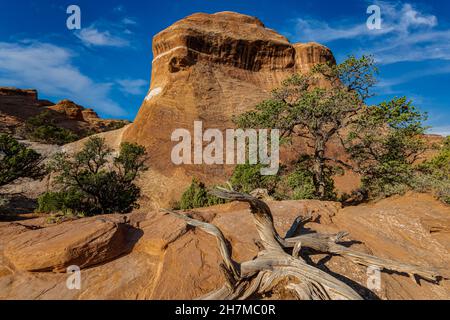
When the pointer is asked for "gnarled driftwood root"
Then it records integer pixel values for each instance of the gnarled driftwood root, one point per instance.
(274, 265)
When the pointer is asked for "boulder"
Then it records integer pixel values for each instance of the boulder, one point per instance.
(89, 115)
(70, 109)
(84, 242)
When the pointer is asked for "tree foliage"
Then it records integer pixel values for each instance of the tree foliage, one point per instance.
(330, 102)
(384, 143)
(248, 177)
(434, 175)
(197, 196)
(94, 181)
(18, 161)
(42, 128)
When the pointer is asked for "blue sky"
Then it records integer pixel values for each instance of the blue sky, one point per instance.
(107, 64)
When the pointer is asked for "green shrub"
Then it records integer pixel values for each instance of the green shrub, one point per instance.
(42, 128)
(18, 161)
(434, 175)
(3, 201)
(247, 177)
(388, 178)
(64, 201)
(437, 186)
(299, 184)
(289, 184)
(116, 125)
(90, 183)
(196, 196)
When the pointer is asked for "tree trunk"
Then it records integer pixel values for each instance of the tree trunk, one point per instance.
(319, 168)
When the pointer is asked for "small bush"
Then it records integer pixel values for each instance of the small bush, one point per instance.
(434, 175)
(64, 202)
(301, 183)
(196, 196)
(247, 177)
(90, 182)
(3, 201)
(42, 128)
(439, 187)
(388, 178)
(116, 125)
(289, 184)
(298, 184)
(18, 161)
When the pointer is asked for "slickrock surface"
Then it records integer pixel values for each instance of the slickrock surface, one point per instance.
(413, 229)
(157, 256)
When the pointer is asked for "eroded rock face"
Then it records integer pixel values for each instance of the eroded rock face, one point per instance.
(17, 94)
(168, 260)
(209, 67)
(70, 109)
(309, 54)
(83, 243)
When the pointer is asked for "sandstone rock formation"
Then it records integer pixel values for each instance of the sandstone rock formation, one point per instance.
(209, 67)
(17, 105)
(70, 109)
(23, 95)
(84, 243)
(169, 260)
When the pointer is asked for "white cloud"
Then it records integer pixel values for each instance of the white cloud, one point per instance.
(440, 130)
(119, 8)
(91, 36)
(133, 86)
(105, 33)
(50, 69)
(387, 84)
(314, 30)
(411, 18)
(407, 34)
(396, 19)
(129, 21)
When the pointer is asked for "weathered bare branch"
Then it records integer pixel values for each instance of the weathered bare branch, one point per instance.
(223, 243)
(298, 224)
(261, 214)
(274, 267)
(329, 244)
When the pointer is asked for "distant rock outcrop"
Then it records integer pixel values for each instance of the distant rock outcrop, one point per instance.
(17, 105)
(209, 67)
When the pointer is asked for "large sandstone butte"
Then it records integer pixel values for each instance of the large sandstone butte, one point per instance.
(209, 67)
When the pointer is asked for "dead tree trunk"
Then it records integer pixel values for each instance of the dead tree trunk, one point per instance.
(279, 260)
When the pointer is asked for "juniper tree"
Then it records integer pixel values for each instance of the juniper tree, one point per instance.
(331, 100)
(93, 181)
(18, 161)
